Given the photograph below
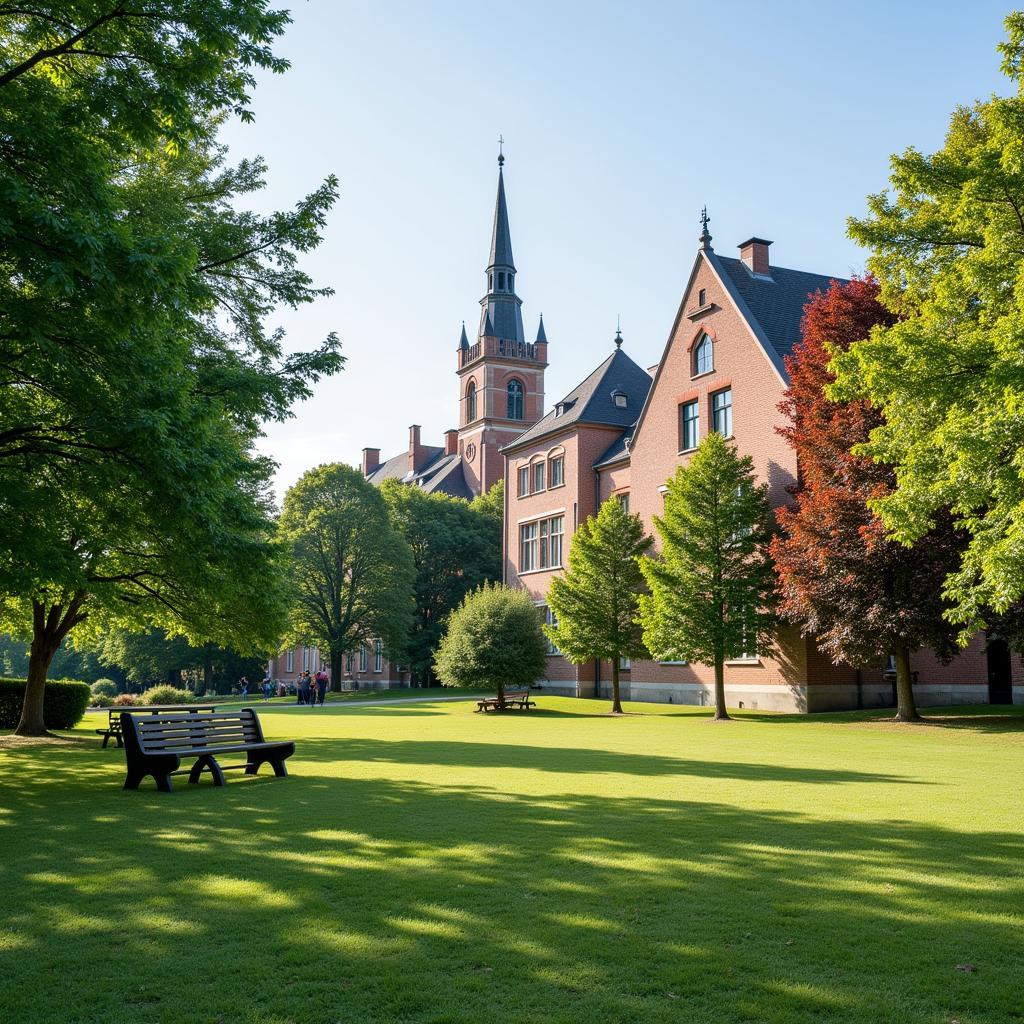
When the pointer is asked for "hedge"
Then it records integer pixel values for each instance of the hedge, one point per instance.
(64, 702)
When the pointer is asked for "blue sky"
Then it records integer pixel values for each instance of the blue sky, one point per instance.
(621, 121)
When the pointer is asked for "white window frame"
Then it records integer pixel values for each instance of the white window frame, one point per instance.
(364, 658)
(704, 344)
(289, 661)
(528, 540)
(378, 655)
(558, 460)
(523, 477)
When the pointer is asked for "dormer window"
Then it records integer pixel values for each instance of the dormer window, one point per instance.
(619, 399)
(703, 356)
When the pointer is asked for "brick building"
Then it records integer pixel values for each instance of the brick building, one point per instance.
(500, 393)
(623, 431)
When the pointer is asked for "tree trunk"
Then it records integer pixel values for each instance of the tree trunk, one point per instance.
(721, 715)
(336, 657)
(906, 709)
(208, 669)
(501, 695)
(49, 627)
(616, 703)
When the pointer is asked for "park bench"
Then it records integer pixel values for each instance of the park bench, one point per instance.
(518, 699)
(113, 729)
(154, 744)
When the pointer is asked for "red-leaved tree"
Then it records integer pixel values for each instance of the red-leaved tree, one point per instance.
(858, 594)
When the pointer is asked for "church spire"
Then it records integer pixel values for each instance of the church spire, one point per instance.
(501, 305)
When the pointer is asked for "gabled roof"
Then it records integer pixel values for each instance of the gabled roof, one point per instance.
(775, 303)
(591, 401)
(440, 472)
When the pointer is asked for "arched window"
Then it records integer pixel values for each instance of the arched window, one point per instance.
(471, 402)
(514, 392)
(703, 356)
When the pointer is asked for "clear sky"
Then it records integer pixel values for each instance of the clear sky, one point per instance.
(621, 121)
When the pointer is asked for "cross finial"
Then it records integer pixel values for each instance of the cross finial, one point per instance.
(501, 155)
(705, 235)
(618, 330)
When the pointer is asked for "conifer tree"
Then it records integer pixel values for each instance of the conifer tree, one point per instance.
(596, 602)
(860, 595)
(712, 588)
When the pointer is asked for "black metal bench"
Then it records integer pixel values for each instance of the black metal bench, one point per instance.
(515, 699)
(113, 729)
(154, 744)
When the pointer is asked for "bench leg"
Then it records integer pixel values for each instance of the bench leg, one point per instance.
(106, 740)
(201, 765)
(253, 764)
(133, 780)
(163, 782)
(280, 768)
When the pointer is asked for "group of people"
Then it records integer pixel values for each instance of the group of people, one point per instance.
(312, 689)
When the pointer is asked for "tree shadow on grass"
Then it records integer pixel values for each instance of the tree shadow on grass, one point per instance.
(979, 718)
(382, 900)
(562, 760)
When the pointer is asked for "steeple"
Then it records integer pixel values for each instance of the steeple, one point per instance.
(501, 305)
(463, 341)
(541, 335)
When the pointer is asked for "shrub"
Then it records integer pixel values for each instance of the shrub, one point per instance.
(164, 693)
(124, 700)
(493, 641)
(101, 700)
(64, 702)
(104, 687)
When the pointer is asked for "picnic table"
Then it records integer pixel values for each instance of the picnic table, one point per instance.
(113, 729)
(518, 699)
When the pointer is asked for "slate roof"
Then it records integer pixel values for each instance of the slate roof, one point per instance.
(591, 401)
(775, 305)
(439, 473)
(618, 448)
(501, 237)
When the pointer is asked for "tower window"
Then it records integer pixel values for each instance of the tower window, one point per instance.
(490, 282)
(471, 402)
(514, 400)
(703, 356)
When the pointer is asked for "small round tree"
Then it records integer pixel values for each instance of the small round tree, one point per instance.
(493, 641)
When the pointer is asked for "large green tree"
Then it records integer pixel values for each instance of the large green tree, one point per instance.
(947, 245)
(351, 574)
(596, 602)
(135, 369)
(712, 588)
(455, 545)
(493, 642)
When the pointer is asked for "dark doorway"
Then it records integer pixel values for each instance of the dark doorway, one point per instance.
(1000, 687)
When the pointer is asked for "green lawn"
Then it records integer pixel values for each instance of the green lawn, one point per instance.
(426, 864)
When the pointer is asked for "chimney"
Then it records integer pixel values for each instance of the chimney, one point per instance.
(451, 442)
(371, 460)
(416, 452)
(754, 253)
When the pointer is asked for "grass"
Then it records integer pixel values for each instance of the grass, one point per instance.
(425, 864)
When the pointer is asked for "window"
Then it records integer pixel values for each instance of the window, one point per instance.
(551, 533)
(378, 656)
(624, 501)
(702, 298)
(471, 402)
(547, 616)
(721, 412)
(748, 637)
(524, 480)
(556, 472)
(363, 658)
(527, 547)
(620, 399)
(625, 664)
(703, 356)
(514, 400)
(490, 282)
(289, 662)
(348, 663)
(538, 476)
(501, 280)
(689, 429)
(305, 659)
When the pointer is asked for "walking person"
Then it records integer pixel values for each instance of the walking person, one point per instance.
(245, 688)
(298, 690)
(267, 689)
(307, 687)
(321, 686)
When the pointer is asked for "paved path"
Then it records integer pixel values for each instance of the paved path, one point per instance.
(358, 703)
